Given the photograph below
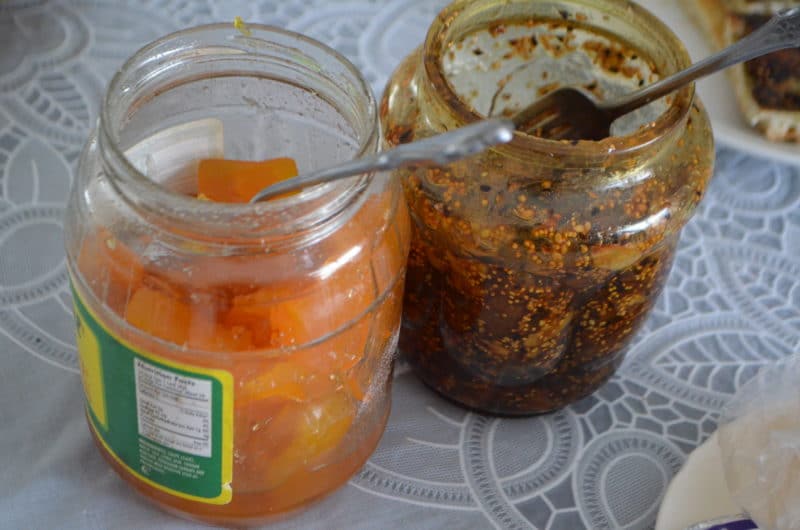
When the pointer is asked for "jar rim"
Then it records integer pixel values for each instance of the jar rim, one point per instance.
(256, 37)
(438, 37)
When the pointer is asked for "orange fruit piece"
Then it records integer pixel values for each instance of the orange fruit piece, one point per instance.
(264, 429)
(273, 324)
(206, 332)
(315, 310)
(295, 439)
(223, 180)
(160, 315)
(292, 322)
(284, 379)
(157, 308)
(110, 268)
(321, 427)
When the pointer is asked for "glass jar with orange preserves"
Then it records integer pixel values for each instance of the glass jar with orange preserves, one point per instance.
(532, 265)
(236, 358)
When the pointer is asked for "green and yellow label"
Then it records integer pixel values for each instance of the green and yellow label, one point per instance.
(169, 424)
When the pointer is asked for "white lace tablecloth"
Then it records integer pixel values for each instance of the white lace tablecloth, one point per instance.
(732, 304)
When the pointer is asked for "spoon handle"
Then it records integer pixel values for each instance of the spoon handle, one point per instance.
(781, 31)
(440, 149)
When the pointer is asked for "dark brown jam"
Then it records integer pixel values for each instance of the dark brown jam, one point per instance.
(545, 325)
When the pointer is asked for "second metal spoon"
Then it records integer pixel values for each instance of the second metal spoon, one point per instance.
(571, 114)
(566, 113)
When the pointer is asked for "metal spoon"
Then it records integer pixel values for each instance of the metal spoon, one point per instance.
(439, 150)
(572, 114)
(566, 113)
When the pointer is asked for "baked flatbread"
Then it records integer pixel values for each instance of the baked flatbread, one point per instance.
(767, 88)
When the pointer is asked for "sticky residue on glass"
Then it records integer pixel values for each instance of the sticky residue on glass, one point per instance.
(501, 70)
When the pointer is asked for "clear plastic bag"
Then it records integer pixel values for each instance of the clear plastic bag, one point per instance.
(759, 438)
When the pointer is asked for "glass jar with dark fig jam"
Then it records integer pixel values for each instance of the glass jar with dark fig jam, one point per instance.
(533, 264)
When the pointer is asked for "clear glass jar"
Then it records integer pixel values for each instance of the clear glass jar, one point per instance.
(236, 358)
(532, 265)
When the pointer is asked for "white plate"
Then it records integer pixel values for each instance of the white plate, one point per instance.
(698, 492)
(716, 92)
